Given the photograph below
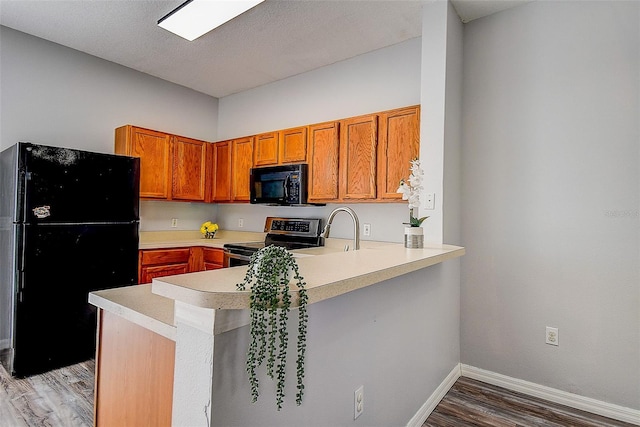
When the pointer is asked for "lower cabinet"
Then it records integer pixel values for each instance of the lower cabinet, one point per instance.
(134, 375)
(154, 263)
(212, 258)
(162, 262)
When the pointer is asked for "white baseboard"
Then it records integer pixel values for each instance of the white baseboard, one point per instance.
(554, 395)
(425, 410)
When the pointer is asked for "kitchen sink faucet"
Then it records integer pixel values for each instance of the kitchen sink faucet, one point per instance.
(356, 226)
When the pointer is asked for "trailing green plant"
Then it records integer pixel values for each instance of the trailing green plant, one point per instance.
(270, 302)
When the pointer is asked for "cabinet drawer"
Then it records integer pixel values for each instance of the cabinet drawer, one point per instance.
(165, 256)
(213, 256)
(147, 274)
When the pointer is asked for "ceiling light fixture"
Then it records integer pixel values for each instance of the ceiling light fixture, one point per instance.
(194, 18)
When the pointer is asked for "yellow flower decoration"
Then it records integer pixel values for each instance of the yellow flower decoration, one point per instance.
(209, 228)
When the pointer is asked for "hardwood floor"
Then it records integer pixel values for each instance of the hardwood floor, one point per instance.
(474, 403)
(63, 397)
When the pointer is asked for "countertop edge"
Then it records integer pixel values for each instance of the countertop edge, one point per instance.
(112, 300)
(239, 300)
(374, 277)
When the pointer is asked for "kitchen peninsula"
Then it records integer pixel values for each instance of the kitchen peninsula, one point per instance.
(200, 321)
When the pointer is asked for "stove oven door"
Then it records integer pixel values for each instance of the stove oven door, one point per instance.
(235, 257)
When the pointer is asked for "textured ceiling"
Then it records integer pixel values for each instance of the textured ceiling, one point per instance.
(275, 40)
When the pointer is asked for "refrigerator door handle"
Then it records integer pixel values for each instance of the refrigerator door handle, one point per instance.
(21, 241)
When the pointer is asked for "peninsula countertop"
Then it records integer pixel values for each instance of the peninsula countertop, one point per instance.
(327, 271)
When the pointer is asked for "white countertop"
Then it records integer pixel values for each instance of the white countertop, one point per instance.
(140, 306)
(328, 272)
(178, 239)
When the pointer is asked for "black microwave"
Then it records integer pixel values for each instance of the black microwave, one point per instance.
(279, 185)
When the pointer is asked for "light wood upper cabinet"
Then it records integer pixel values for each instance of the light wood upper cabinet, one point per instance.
(189, 169)
(358, 157)
(281, 147)
(241, 163)
(398, 144)
(154, 150)
(324, 153)
(221, 161)
(231, 162)
(266, 149)
(171, 167)
(293, 145)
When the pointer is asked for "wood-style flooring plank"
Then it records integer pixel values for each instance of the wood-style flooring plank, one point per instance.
(474, 403)
(62, 397)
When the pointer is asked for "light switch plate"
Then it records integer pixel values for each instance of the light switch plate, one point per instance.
(430, 202)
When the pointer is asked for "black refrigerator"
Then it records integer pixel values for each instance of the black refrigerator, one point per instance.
(68, 226)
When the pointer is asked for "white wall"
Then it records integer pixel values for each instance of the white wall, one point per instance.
(381, 80)
(392, 338)
(551, 190)
(58, 96)
(452, 162)
(385, 218)
(157, 215)
(440, 136)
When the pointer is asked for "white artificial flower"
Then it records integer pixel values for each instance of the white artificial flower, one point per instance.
(411, 191)
(404, 189)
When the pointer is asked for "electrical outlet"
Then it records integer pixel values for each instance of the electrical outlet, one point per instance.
(366, 228)
(552, 336)
(358, 402)
(240, 223)
(174, 222)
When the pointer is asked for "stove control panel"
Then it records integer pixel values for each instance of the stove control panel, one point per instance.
(307, 227)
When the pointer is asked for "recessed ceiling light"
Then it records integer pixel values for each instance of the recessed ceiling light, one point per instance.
(194, 18)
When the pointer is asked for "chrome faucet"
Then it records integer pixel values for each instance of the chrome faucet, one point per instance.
(356, 226)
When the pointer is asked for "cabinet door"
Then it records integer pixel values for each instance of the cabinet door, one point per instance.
(189, 169)
(162, 262)
(222, 171)
(266, 149)
(213, 258)
(399, 143)
(154, 150)
(241, 163)
(293, 145)
(324, 152)
(358, 144)
(164, 256)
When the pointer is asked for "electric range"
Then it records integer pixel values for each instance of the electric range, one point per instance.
(290, 233)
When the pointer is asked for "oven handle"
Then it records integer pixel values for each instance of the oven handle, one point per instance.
(229, 255)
